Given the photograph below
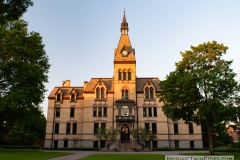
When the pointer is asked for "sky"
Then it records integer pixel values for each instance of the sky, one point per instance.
(80, 35)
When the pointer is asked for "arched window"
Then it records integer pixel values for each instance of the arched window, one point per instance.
(102, 93)
(97, 93)
(126, 94)
(122, 94)
(129, 75)
(146, 93)
(119, 75)
(151, 92)
(124, 75)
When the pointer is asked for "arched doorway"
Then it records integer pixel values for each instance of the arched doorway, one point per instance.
(125, 134)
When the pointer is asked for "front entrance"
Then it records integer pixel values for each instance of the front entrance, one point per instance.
(125, 134)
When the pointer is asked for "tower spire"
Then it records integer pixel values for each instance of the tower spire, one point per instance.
(124, 24)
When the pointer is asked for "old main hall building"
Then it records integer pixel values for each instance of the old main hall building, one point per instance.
(123, 102)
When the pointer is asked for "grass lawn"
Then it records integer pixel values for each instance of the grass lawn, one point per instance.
(124, 157)
(9, 154)
(235, 154)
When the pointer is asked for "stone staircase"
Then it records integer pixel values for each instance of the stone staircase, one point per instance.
(125, 147)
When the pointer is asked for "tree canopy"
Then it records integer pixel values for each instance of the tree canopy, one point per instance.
(202, 88)
(23, 72)
(11, 10)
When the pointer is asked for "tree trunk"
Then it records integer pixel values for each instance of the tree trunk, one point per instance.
(210, 135)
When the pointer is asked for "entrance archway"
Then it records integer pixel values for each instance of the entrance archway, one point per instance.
(125, 134)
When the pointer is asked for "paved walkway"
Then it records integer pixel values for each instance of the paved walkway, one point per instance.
(81, 154)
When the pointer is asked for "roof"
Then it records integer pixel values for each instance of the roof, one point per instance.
(141, 82)
(66, 91)
(93, 82)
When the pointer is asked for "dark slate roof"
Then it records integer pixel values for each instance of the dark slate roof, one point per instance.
(93, 82)
(141, 82)
(66, 91)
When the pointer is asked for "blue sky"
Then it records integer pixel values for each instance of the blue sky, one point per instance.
(80, 35)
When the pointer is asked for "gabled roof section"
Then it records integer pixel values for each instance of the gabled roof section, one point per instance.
(94, 81)
(66, 91)
(141, 82)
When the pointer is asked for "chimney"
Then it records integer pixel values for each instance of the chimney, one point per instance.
(85, 85)
(66, 83)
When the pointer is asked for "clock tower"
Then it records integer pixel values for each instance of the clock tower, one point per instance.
(124, 66)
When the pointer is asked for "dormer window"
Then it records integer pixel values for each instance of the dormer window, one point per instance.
(146, 93)
(100, 82)
(72, 97)
(102, 93)
(151, 92)
(97, 93)
(58, 97)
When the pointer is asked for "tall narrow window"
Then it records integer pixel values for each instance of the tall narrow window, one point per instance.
(74, 129)
(154, 144)
(95, 144)
(155, 111)
(119, 75)
(56, 129)
(191, 144)
(149, 111)
(175, 128)
(100, 112)
(144, 112)
(146, 93)
(65, 145)
(124, 75)
(105, 112)
(72, 97)
(68, 128)
(147, 127)
(122, 94)
(55, 144)
(102, 93)
(72, 110)
(95, 128)
(190, 127)
(57, 112)
(97, 93)
(126, 94)
(154, 128)
(151, 92)
(58, 97)
(176, 144)
(129, 75)
(94, 111)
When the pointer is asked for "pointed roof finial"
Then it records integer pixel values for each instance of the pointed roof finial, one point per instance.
(124, 10)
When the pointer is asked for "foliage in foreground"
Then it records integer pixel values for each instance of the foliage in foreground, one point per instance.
(109, 135)
(202, 88)
(24, 67)
(141, 135)
(29, 154)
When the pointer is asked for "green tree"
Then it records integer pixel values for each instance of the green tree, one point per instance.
(141, 135)
(23, 72)
(202, 88)
(11, 10)
(109, 135)
(16, 135)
